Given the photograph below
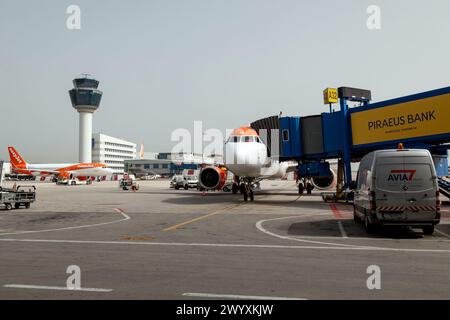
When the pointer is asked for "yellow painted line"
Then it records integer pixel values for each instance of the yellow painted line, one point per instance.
(136, 238)
(200, 218)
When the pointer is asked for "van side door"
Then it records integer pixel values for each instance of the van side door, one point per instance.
(361, 199)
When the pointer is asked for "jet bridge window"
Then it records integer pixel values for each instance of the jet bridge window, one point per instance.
(285, 135)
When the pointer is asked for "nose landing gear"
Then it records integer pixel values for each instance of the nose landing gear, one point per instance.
(247, 191)
(305, 185)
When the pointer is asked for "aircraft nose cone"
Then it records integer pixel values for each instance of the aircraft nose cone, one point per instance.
(244, 154)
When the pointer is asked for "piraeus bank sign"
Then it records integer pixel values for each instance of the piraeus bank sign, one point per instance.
(419, 118)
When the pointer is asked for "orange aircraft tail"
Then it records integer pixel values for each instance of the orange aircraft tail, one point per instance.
(16, 160)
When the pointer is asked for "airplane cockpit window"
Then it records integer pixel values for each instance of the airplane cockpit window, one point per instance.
(248, 139)
(233, 139)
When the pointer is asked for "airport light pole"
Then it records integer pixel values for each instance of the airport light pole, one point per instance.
(85, 99)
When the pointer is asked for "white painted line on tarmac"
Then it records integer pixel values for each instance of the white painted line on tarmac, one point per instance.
(259, 226)
(25, 286)
(442, 233)
(122, 213)
(373, 239)
(226, 245)
(342, 230)
(125, 217)
(339, 245)
(235, 296)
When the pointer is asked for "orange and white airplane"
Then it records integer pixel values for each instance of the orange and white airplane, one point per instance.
(245, 155)
(60, 170)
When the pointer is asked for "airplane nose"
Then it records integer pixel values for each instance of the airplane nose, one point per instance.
(242, 155)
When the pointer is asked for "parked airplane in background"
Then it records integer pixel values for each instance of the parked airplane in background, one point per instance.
(246, 157)
(59, 170)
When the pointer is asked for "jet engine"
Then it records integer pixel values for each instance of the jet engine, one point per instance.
(213, 178)
(326, 182)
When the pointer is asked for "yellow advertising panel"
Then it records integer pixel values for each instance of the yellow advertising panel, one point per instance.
(425, 117)
(330, 95)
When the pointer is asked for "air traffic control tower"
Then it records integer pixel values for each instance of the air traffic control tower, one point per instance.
(85, 99)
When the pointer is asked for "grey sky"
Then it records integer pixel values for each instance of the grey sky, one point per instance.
(164, 64)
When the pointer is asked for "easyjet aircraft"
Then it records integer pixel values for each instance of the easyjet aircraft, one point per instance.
(245, 155)
(61, 170)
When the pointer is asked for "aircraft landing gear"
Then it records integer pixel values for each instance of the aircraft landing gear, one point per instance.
(309, 188)
(301, 188)
(246, 190)
(305, 185)
(235, 188)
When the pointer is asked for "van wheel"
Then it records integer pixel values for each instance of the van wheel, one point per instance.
(429, 230)
(8, 206)
(368, 226)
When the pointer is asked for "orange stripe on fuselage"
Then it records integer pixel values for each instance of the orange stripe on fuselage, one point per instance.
(81, 166)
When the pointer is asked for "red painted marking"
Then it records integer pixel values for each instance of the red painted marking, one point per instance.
(336, 212)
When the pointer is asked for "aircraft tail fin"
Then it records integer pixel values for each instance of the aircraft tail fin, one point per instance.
(16, 160)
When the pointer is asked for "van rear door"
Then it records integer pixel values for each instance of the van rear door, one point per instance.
(420, 188)
(406, 188)
(389, 192)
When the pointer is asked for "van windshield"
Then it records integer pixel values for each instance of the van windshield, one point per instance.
(404, 177)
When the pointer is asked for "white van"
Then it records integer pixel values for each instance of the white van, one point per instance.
(397, 187)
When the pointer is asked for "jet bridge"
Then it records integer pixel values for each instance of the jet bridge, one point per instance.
(417, 121)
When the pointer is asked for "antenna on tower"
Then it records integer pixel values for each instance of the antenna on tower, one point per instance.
(86, 75)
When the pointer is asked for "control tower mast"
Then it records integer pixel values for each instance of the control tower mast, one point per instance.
(85, 99)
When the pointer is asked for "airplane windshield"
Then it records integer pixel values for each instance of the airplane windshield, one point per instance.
(236, 139)
(233, 139)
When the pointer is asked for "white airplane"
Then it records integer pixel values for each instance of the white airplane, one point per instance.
(246, 157)
(60, 170)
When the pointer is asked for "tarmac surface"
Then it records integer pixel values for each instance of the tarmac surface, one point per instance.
(159, 243)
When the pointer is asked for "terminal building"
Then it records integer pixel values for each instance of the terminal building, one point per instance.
(168, 164)
(112, 151)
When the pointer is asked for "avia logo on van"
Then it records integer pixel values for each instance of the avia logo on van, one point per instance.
(401, 175)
